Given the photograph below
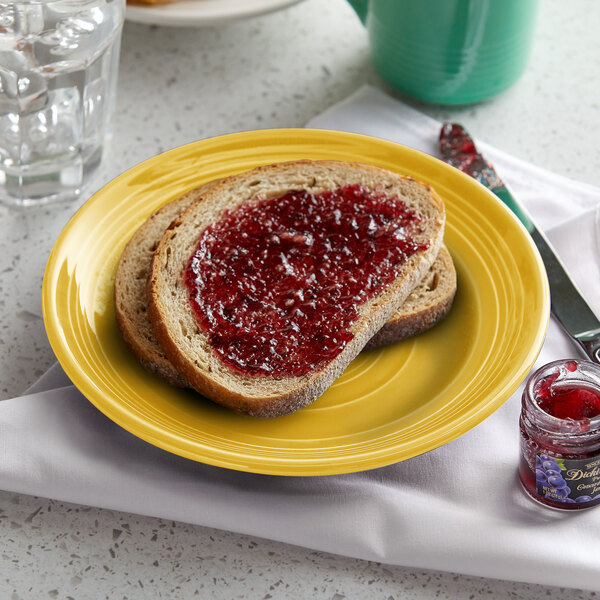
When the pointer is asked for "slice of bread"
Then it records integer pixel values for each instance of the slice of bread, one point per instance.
(187, 345)
(427, 304)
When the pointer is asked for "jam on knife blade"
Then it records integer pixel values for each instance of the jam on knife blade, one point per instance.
(458, 150)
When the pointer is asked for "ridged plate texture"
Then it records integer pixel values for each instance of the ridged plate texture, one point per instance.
(390, 404)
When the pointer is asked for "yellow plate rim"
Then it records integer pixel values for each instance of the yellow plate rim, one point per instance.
(370, 457)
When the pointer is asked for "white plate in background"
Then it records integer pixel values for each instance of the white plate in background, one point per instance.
(197, 13)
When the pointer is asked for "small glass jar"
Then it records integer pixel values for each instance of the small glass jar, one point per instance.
(560, 435)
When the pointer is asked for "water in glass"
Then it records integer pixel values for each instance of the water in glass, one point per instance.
(58, 71)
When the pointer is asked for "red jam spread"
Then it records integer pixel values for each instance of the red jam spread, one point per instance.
(567, 401)
(458, 149)
(276, 282)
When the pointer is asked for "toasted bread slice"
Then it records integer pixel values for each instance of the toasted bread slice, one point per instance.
(428, 303)
(188, 346)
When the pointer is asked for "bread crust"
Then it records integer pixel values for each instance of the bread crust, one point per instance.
(175, 324)
(130, 292)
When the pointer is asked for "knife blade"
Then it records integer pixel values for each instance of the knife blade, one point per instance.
(567, 303)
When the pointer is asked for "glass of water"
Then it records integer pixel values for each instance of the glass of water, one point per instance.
(58, 74)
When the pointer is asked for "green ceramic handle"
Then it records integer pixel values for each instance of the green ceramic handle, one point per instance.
(361, 8)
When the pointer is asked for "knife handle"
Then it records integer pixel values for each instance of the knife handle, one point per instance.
(507, 197)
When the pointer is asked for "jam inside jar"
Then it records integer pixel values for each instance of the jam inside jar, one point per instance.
(560, 435)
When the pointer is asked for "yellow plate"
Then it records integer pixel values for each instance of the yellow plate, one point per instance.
(390, 404)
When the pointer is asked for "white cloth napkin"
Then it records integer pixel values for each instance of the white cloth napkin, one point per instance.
(458, 508)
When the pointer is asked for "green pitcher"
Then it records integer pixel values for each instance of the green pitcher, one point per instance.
(449, 51)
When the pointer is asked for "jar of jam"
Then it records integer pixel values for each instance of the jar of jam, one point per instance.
(560, 435)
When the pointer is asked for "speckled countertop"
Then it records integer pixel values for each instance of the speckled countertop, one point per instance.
(178, 85)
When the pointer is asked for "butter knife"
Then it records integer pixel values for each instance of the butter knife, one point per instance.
(567, 304)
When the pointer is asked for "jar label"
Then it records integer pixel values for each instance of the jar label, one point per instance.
(568, 480)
